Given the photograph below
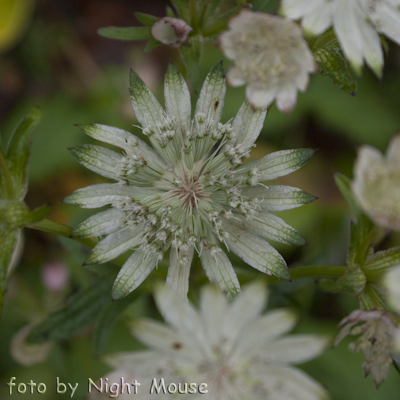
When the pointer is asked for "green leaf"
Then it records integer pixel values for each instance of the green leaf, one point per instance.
(182, 8)
(146, 19)
(383, 260)
(360, 241)
(81, 310)
(18, 152)
(327, 53)
(108, 317)
(151, 44)
(191, 54)
(128, 33)
(8, 244)
(344, 185)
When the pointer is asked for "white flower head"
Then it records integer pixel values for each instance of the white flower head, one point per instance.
(357, 24)
(171, 31)
(231, 348)
(377, 340)
(376, 184)
(190, 191)
(270, 55)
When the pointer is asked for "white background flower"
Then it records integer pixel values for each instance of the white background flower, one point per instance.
(270, 55)
(356, 22)
(232, 348)
(376, 184)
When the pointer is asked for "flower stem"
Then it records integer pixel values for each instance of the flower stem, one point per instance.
(46, 225)
(317, 271)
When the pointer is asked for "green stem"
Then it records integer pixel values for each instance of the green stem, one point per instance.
(46, 225)
(317, 271)
(309, 271)
(7, 175)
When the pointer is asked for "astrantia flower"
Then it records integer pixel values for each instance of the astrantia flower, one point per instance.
(357, 24)
(270, 55)
(377, 337)
(235, 351)
(376, 184)
(190, 191)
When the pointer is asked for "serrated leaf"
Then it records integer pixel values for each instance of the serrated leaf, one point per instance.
(146, 19)
(383, 260)
(81, 310)
(126, 33)
(192, 53)
(327, 53)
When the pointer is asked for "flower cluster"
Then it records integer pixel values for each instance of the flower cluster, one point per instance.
(191, 191)
(377, 338)
(357, 24)
(271, 55)
(231, 348)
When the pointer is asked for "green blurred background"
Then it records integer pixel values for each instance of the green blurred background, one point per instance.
(52, 57)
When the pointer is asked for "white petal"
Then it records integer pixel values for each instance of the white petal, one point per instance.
(247, 125)
(286, 98)
(391, 281)
(120, 138)
(278, 197)
(98, 195)
(179, 270)
(318, 19)
(294, 349)
(147, 109)
(260, 332)
(393, 151)
(259, 98)
(235, 77)
(177, 99)
(245, 308)
(133, 273)
(256, 252)
(101, 223)
(389, 18)
(211, 99)
(181, 315)
(160, 337)
(213, 305)
(280, 163)
(290, 383)
(115, 244)
(347, 27)
(98, 159)
(219, 270)
(269, 226)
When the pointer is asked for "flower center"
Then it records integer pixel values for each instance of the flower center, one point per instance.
(189, 193)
